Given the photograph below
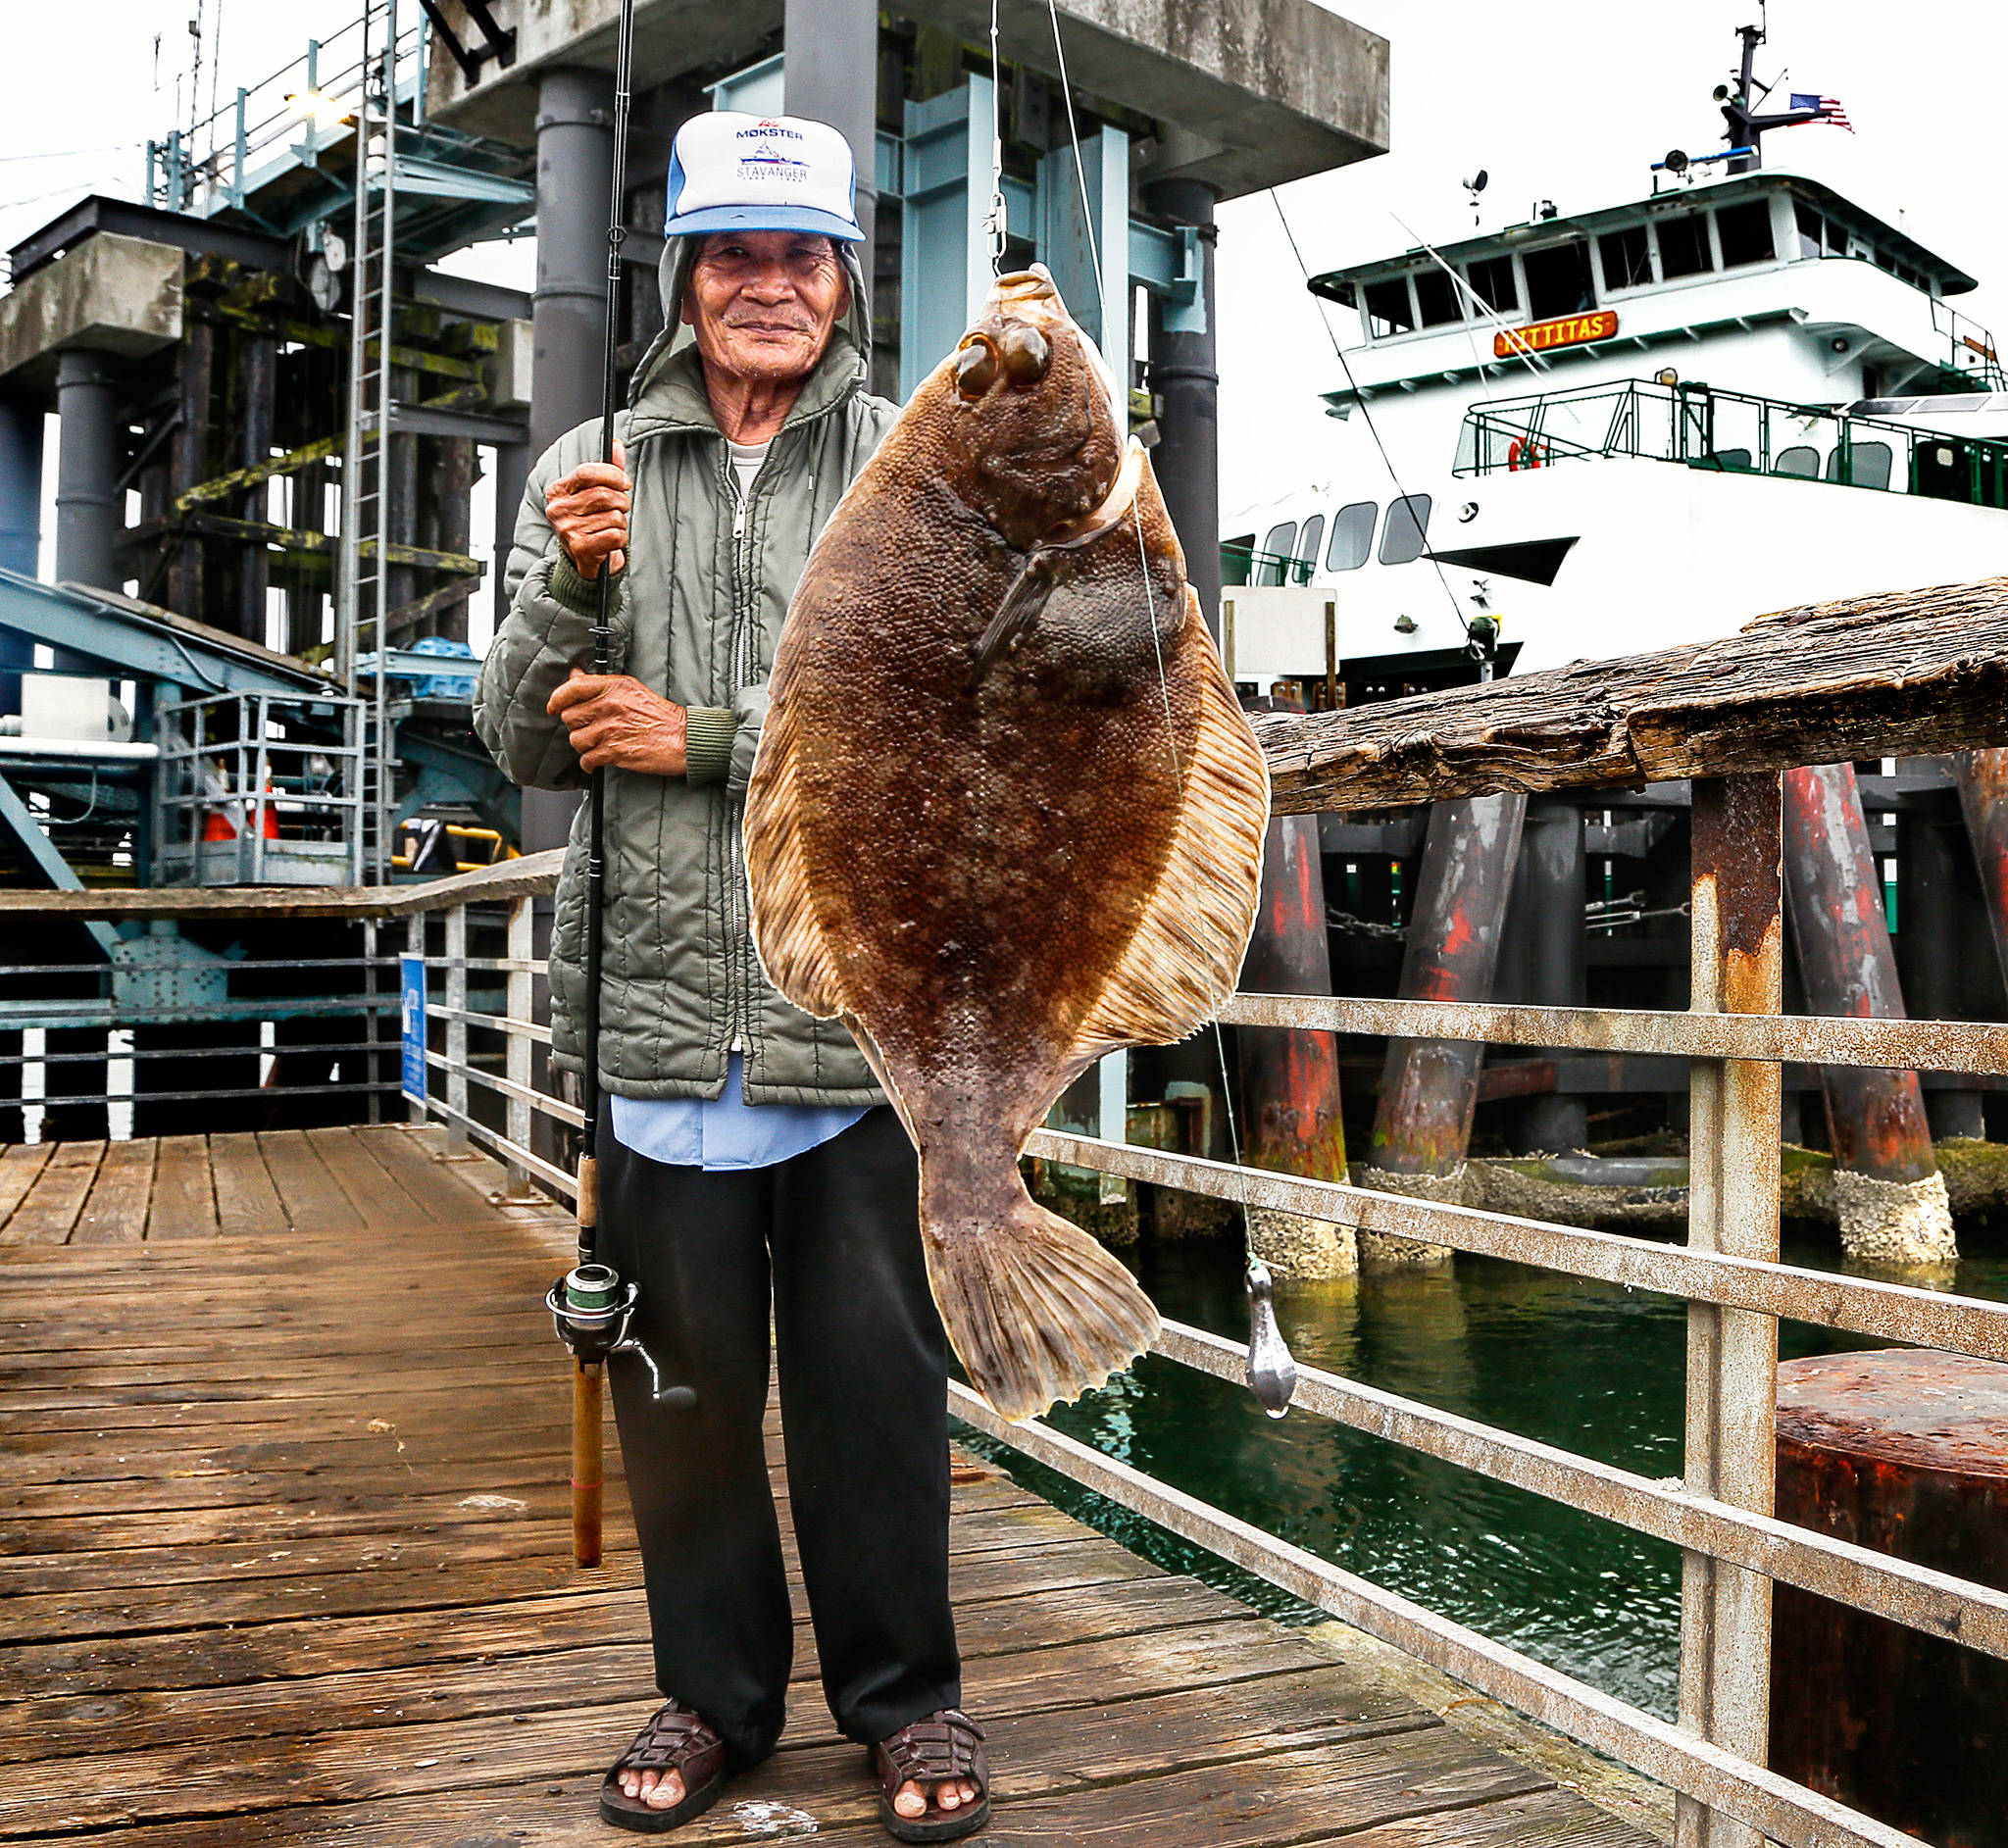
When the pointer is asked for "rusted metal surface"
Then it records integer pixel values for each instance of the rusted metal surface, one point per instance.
(1895, 1312)
(1737, 967)
(1907, 1453)
(1876, 1117)
(1292, 1117)
(1924, 1045)
(1773, 1806)
(1902, 674)
(1982, 780)
(1934, 1601)
(1428, 1089)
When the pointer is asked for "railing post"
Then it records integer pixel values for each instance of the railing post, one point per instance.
(415, 945)
(1739, 963)
(517, 1053)
(456, 1029)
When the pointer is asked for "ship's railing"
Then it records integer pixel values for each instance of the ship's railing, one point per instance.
(1970, 348)
(1735, 1040)
(1244, 565)
(1733, 432)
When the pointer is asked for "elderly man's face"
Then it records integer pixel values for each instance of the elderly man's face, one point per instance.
(763, 303)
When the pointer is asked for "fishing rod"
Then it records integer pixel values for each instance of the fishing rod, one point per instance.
(591, 1308)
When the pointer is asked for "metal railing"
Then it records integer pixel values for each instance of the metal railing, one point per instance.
(1736, 1039)
(1734, 433)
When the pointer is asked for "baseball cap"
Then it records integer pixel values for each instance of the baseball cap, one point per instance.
(735, 173)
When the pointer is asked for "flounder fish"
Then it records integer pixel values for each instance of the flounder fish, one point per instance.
(1006, 815)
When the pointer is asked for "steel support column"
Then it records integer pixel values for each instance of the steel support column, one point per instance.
(1184, 379)
(830, 73)
(1545, 949)
(1887, 1188)
(1290, 1110)
(88, 463)
(569, 308)
(1428, 1088)
(1934, 915)
(1982, 780)
(1738, 968)
(21, 528)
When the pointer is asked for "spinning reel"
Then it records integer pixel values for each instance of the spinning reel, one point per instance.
(593, 1312)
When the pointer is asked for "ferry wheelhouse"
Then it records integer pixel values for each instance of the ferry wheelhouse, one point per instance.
(1621, 430)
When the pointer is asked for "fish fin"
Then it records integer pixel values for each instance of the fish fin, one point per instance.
(1031, 590)
(1184, 959)
(1036, 1309)
(876, 1060)
(788, 933)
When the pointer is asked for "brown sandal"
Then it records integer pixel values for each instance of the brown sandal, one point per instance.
(676, 1738)
(942, 1745)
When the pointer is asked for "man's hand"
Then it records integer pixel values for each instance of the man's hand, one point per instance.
(615, 720)
(589, 511)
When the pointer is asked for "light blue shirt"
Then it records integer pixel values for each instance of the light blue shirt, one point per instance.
(725, 1131)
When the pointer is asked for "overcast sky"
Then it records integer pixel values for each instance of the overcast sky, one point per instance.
(1571, 103)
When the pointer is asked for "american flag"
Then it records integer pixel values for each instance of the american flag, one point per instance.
(1829, 106)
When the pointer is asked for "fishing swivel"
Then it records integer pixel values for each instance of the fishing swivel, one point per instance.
(593, 1312)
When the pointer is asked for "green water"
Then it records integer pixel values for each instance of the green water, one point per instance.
(1592, 1367)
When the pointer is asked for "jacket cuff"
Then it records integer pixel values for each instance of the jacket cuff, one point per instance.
(580, 595)
(708, 742)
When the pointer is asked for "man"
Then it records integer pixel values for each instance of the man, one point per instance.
(747, 1152)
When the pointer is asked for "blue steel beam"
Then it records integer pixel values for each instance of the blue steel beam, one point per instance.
(19, 819)
(160, 648)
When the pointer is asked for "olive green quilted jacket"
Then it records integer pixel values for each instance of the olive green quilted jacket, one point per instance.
(701, 601)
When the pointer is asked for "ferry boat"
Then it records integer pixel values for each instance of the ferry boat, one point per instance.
(1625, 428)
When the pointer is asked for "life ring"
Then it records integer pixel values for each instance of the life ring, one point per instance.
(1524, 455)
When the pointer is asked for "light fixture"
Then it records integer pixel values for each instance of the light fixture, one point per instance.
(1840, 345)
(1667, 376)
(317, 106)
(1467, 513)
(1406, 624)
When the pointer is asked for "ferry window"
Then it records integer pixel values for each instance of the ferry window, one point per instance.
(1684, 246)
(1438, 298)
(1745, 233)
(1352, 536)
(1801, 459)
(1811, 228)
(1276, 551)
(1626, 257)
(1868, 465)
(1492, 281)
(1558, 281)
(1308, 542)
(1408, 521)
(1235, 557)
(1387, 308)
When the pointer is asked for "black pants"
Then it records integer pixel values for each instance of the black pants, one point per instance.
(835, 1234)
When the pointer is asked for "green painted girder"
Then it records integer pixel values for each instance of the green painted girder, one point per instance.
(145, 644)
(19, 820)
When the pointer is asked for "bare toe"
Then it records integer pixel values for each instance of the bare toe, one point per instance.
(667, 1794)
(908, 1801)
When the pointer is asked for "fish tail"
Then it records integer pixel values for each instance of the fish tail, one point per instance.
(1036, 1309)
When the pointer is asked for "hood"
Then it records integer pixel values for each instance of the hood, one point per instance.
(668, 389)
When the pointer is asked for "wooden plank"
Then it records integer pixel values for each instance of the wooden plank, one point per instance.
(376, 1193)
(19, 1163)
(48, 1212)
(246, 1201)
(314, 1199)
(1906, 673)
(115, 1212)
(443, 1186)
(184, 1202)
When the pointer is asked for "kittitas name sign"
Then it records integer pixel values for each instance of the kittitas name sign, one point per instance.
(1569, 330)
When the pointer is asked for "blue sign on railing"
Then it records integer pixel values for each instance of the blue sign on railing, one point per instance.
(412, 980)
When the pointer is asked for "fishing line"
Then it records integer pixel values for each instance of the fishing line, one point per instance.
(995, 222)
(1079, 167)
(1372, 430)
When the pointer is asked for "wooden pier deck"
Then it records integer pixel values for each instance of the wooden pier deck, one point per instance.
(284, 1550)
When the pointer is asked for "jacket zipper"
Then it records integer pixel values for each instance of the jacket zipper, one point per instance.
(739, 985)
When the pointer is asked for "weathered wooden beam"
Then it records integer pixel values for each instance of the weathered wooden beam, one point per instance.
(1906, 673)
(297, 540)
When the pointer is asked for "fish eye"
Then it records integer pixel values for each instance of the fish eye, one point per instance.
(1026, 354)
(976, 371)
